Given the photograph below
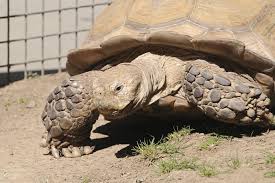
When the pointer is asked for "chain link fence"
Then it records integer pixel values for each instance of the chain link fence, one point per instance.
(36, 35)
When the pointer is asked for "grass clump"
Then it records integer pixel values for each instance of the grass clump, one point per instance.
(270, 158)
(270, 174)
(211, 141)
(207, 170)
(152, 149)
(166, 166)
(234, 163)
(177, 135)
(147, 149)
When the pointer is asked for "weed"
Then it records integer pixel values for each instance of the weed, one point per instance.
(270, 158)
(211, 141)
(207, 170)
(148, 149)
(269, 174)
(178, 134)
(234, 162)
(166, 166)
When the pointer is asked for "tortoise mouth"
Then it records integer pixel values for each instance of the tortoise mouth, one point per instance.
(118, 114)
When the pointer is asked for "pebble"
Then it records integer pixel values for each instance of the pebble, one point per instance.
(208, 85)
(60, 105)
(198, 92)
(222, 81)
(190, 78)
(246, 119)
(237, 104)
(226, 114)
(57, 90)
(242, 88)
(210, 111)
(65, 123)
(215, 95)
(194, 70)
(76, 99)
(207, 75)
(69, 91)
(31, 104)
(188, 86)
(55, 131)
(223, 103)
(69, 104)
(251, 113)
(200, 80)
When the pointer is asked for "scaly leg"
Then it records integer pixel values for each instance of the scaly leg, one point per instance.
(68, 116)
(226, 96)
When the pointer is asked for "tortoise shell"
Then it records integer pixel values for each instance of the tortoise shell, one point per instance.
(241, 30)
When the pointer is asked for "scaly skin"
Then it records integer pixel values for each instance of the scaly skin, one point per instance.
(117, 92)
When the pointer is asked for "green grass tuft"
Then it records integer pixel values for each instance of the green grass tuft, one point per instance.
(147, 149)
(234, 163)
(166, 166)
(211, 141)
(270, 158)
(270, 174)
(207, 170)
(177, 135)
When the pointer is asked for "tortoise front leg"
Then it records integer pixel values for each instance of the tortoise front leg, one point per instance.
(226, 96)
(68, 116)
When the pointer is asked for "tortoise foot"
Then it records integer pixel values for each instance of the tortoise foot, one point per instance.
(226, 96)
(68, 118)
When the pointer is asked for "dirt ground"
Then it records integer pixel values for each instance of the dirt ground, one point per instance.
(22, 160)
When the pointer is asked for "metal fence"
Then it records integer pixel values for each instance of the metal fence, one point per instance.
(35, 35)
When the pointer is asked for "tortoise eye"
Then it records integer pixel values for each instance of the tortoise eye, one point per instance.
(118, 88)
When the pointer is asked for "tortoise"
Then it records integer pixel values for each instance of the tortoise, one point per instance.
(210, 57)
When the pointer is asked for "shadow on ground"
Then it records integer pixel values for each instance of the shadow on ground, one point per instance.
(135, 129)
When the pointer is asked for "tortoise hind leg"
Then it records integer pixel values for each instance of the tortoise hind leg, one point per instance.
(68, 118)
(226, 96)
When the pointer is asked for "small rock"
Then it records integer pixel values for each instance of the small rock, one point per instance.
(210, 111)
(230, 95)
(66, 82)
(76, 99)
(50, 97)
(251, 113)
(246, 119)
(55, 131)
(262, 97)
(60, 105)
(194, 70)
(237, 104)
(198, 92)
(52, 113)
(258, 92)
(222, 81)
(260, 104)
(69, 91)
(65, 123)
(190, 78)
(223, 103)
(242, 88)
(200, 80)
(57, 90)
(226, 113)
(60, 95)
(188, 86)
(208, 85)
(267, 102)
(215, 95)
(207, 75)
(31, 104)
(69, 104)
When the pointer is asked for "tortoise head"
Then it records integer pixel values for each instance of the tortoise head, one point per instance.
(118, 91)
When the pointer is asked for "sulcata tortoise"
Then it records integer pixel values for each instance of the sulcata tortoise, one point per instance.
(210, 57)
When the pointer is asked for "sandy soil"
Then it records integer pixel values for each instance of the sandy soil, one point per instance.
(22, 160)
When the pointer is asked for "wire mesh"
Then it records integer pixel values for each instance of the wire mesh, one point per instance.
(35, 36)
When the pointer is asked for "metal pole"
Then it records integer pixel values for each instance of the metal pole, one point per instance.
(8, 41)
(42, 39)
(26, 43)
(59, 35)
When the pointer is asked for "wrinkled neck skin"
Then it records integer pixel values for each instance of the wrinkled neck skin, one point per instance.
(153, 78)
(127, 87)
